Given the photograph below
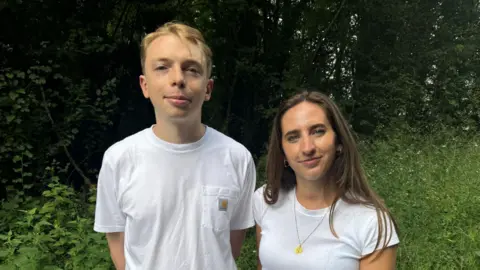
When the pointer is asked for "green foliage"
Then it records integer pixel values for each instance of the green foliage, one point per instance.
(431, 185)
(51, 232)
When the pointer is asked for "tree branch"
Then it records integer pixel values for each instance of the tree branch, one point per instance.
(67, 153)
(231, 90)
(120, 20)
(326, 31)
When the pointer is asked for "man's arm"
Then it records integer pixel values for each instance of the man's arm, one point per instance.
(236, 241)
(109, 218)
(259, 237)
(242, 217)
(115, 244)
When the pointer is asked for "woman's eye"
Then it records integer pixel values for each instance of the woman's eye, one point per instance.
(292, 138)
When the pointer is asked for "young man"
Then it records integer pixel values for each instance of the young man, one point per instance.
(177, 195)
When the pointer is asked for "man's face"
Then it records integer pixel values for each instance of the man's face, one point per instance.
(175, 78)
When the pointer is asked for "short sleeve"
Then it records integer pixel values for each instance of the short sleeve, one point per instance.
(242, 217)
(108, 216)
(370, 235)
(259, 205)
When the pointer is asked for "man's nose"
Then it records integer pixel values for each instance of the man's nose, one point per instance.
(177, 77)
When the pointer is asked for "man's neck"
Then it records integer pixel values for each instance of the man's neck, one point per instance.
(314, 194)
(179, 133)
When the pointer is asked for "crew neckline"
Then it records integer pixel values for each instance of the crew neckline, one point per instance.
(176, 147)
(317, 213)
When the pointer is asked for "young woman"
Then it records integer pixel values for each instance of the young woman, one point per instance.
(316, 210)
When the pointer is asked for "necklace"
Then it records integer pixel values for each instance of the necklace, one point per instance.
(299, 248)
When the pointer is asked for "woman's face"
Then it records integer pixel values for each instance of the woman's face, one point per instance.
(308, 141)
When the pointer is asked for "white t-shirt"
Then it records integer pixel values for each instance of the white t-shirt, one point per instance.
(355, 225)
(176, 203)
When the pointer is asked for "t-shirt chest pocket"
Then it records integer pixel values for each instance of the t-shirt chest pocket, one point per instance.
(218, 206)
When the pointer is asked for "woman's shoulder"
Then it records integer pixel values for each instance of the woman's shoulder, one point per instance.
(259, 195)
(368, 224)
(260, 205)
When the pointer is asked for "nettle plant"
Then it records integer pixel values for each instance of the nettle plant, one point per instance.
(52, 232)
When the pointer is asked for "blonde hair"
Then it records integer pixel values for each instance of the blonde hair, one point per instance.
(183, 31)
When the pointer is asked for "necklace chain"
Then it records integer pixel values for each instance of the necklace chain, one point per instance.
(299, 248)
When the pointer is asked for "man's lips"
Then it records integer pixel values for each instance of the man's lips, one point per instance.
(178, 100)
(178, 97)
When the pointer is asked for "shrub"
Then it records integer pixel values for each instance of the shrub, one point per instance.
(54, 231)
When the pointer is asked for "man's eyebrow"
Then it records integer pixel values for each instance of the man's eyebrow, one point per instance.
(192, 62)
(187, 62)
(162, 59)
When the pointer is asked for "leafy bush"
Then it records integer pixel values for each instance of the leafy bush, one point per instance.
(51, 232)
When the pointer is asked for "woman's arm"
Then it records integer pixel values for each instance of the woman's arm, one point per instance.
(380, 260)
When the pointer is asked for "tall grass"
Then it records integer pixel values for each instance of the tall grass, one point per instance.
(432, 186)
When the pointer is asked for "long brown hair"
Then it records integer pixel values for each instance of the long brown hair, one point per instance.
(348, 176)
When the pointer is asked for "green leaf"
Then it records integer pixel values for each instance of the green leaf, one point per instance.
(21, 91)
(10, 118)
(44, 223)
(28, 154)
(3, 254)
(32, 211)
(21, 75)
(13, 95)
(28, 250)
(459, 48)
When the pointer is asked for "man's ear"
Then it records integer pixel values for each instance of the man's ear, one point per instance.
(143, 85)
(208, 93)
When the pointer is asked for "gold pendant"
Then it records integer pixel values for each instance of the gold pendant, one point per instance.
(299, 249)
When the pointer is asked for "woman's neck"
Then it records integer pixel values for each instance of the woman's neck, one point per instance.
(314, 194)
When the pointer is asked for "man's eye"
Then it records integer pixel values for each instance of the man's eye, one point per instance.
(193, 70)
(161, 68)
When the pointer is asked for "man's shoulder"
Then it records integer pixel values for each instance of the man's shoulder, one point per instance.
(232, 146)
(121, 149)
